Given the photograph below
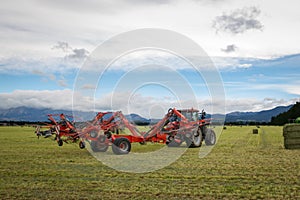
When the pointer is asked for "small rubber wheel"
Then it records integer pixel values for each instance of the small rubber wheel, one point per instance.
(108, 134)
(60, 142)
(81, 145)
(121, 146)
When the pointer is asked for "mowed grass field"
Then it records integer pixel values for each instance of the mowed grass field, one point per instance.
(242, 165)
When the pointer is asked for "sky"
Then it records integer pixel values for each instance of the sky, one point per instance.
(254, 46)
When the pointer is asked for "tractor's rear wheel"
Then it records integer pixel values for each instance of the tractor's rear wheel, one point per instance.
(121, 146)
(97, 146)
(210, 137)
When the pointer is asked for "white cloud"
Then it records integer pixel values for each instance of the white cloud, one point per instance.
(27, 30)
(144, 105)
(78, 54)
(62, 99)
(238, 21)
(230, 48)
(62, 83)
(73, 54)
(74, 60)
(229, 63)
(255, 105)
(245, 65)
(292, 88)
(38, 66)
(64, 46)
(88, 87)
(47, 76)
(56, 99)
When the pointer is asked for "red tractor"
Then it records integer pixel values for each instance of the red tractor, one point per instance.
(183, 125)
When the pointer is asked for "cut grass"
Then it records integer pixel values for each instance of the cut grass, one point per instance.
(242, 165)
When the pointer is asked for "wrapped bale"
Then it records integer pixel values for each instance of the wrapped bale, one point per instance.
(291, 134)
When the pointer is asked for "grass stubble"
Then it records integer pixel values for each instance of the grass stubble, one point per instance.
(241, 166)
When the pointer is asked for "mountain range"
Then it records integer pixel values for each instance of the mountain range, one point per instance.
(261, 116)
(40, 114)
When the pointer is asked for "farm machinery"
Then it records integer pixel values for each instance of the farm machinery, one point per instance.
(63, 130)
(176, 127)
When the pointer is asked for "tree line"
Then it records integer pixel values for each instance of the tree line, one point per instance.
(288, 116)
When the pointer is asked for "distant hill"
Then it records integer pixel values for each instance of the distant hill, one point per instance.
(284, 117)
(138, 119)
(28, 114)
(40, 114)
(261, 116)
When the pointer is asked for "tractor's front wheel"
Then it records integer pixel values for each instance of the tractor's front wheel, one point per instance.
(195, 140)
(121, 146)
(210, 137)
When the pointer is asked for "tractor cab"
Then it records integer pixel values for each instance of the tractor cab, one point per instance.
(190, 114)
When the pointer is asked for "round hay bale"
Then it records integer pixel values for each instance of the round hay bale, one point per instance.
(224, 128)
(293, 134)
(291, 127)
(255, 131)
(292, 146)
(292, 141)
(291, 131)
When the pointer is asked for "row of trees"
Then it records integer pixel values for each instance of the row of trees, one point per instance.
(19, 123)
(286, 117)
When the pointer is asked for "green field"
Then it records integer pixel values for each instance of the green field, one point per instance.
(242, 165)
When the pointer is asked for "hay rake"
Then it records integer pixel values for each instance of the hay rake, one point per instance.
(176, 127)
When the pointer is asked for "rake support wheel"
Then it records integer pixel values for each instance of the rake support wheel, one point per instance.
(60, 142)
(121, 146)
(81, 145)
